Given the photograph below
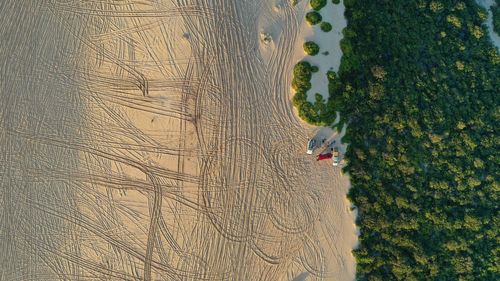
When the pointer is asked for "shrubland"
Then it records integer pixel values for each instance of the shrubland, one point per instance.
(495, 10)
(326, 26)
(317, 4)
(313, 17)
(419, 86)
(311, 48)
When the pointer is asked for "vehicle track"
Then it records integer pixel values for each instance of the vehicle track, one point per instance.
(162, 146)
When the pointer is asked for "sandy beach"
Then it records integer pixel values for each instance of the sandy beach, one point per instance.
(156, 140)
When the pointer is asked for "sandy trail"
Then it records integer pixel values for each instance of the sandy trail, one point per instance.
(162, 146)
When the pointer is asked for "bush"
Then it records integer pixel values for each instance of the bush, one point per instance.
(335, 1)
(311, 48)
(317, 113)
(331, 75)
(313, 18)
(317, 4)
(299, 98)
(302, 73)
(495, 10)
(302, 69)
(326, 26)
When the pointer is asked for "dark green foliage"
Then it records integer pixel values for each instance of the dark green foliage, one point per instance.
(495, 10)
(313, 113)
(418, 84)
(302, 73)
(335, 1)
(311, 48)
(325, 26)
(317, 4)
(313, 17)
(319, 113)
(331, 75)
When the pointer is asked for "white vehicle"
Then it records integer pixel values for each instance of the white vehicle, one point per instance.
(311, 145)
(335, 156)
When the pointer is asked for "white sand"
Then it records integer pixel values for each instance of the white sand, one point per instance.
(173, 152)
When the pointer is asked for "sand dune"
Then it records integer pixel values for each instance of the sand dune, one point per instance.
(155, 140)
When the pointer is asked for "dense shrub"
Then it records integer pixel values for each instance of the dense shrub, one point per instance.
(317, 4)
(331, 75)
(335, 1)
(318, 113)
(495, 10)
(311, 48)
(313, 17)
(302, 73)
(418, 84)
(325, 26)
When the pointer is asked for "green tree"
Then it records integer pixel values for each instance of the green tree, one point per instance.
(311, 48)
(317, 4)
(325, 26)
(313, 17)
(495, 10)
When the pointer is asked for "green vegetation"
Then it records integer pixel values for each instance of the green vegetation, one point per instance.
(318, 113)
(317, 4)
(326, 26)
(418, 84)
(495, 10)
(302, 73)
(311, 48)
(313, 17)
(335, 1)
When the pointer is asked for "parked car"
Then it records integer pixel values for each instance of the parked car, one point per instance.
(324, 156)
(336, 158)
(311, 145)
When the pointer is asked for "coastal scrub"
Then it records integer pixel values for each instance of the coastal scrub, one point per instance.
(326, 26)
(311, 48)
(317, 4)
(313, 17)
(495, 10)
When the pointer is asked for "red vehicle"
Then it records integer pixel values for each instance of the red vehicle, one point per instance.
(324, 156)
